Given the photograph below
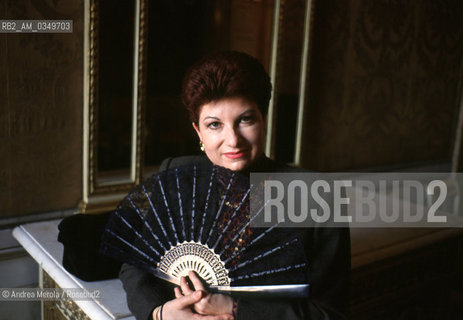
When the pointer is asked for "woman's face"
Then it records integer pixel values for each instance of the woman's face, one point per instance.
(232, 131)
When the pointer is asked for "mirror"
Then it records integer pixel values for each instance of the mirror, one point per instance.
(114, 68)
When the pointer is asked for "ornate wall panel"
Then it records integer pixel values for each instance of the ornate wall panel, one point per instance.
(41, 111)
(383, 83)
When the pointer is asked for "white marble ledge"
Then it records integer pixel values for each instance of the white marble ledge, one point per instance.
(40, 241)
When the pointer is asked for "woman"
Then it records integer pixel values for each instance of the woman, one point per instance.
(227, 96)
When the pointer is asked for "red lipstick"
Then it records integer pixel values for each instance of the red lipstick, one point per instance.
(234, 155)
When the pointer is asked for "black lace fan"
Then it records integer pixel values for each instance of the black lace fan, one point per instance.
(196, 217)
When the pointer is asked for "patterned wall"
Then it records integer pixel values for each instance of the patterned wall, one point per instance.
(383, 83)
(41, 96)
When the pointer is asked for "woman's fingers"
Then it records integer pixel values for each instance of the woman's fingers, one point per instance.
(188, 300)
(196, 281)
(177, 292)
(184, 286)
(181, 308)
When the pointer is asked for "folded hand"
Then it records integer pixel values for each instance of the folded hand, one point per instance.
(181, 308)
(210, 303)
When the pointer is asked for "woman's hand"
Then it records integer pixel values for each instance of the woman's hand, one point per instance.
(210, 303)
(181, 308)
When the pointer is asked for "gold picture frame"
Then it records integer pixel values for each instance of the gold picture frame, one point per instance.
(103, 194)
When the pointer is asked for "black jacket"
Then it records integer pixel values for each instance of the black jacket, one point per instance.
(328, 253)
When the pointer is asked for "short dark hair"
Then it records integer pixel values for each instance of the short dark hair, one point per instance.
(226, 74)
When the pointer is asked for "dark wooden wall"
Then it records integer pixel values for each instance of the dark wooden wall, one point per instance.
(382, 91)
(41, 99)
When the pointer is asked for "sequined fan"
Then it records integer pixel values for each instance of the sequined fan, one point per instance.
(196, 217)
